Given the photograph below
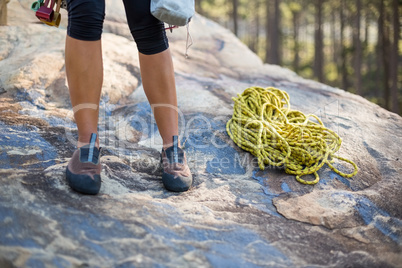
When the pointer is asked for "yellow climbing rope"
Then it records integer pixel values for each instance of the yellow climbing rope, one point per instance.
(263, 124)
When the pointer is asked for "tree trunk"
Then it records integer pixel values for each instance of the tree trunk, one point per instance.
(366, 28)
(343, 51)
(276, 35)
(3, 12)
(268, 21)
(255, 32)
(198, 7)
(394, 59)
(235, 5)
(273, 36)
(357, 49)
(296, 27)
(383, 37)
(318, 41)
(334, 42)
(257, 27)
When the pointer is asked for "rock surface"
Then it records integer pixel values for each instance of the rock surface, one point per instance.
(235, 215)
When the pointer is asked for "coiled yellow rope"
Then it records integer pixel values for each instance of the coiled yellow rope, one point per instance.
(263, 124)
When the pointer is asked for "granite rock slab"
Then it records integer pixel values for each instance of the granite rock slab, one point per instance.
(235, 215)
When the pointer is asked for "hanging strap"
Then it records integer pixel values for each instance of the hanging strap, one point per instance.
(189, 40)
(58, 6)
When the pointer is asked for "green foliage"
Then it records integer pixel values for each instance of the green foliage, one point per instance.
(301, 14)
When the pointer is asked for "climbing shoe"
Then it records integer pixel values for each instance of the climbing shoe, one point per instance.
(176, 175)
(83, 170)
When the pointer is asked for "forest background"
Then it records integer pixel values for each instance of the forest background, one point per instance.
(353, 45)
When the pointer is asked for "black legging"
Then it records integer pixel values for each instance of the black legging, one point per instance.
(85, 22)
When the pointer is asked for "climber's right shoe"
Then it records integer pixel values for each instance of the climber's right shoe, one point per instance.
(84, 168)
(176, 175)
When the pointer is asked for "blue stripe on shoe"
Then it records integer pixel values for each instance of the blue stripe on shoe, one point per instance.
(91, 147)
(175, 146)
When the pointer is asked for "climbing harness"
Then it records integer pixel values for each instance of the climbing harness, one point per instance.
(264, 125)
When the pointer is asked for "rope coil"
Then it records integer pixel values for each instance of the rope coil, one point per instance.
(264, 125)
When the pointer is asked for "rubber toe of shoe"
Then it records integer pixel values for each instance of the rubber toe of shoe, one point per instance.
(176, 184)
(83, 183)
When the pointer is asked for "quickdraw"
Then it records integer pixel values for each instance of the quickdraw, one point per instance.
(44, 11)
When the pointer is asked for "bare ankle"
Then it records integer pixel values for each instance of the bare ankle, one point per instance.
(86, 139)
(170, 142)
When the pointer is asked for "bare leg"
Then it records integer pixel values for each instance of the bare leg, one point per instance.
(159, 85)
(84, 72)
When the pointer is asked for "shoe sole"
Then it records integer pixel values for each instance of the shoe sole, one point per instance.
(83, 183)
(178, 184)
